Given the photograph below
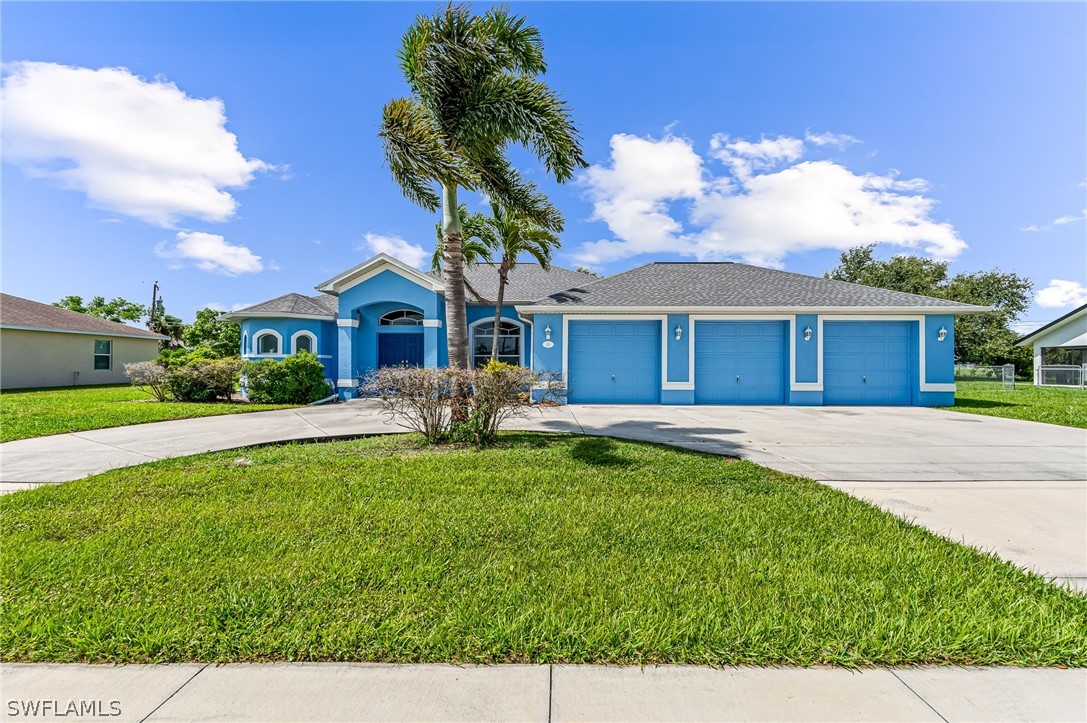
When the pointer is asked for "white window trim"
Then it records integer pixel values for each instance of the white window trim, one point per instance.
(296, 335)
(490, 320)
(421, 324)
(95, 355)
(256, 343)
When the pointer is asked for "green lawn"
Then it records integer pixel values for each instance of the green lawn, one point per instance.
(38, 412)
(549, 548)
(1054, 405)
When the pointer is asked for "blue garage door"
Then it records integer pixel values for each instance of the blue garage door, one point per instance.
(867, 362)
(739, 362)
(614, 362)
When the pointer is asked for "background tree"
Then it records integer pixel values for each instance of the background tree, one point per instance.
(116, 309)
(224, 338)
(985, 338)
(512, 236)
(474, 91)
(589, 271)
(166, 324)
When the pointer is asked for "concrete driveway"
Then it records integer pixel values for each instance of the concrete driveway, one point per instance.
(1017, 488)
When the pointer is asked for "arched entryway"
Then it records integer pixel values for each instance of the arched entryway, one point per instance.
(400, 338)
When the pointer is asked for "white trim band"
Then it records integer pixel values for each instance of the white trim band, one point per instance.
(347, 322)
(432, 323)
(347, 382)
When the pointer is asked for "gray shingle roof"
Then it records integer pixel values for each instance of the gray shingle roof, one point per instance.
(725, 284)
(320, 305)
(527, 281)
(18, 312)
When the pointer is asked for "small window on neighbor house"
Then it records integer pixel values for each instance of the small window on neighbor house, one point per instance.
(267, 344)
(402, 317)
(303, 342)
(103, 355)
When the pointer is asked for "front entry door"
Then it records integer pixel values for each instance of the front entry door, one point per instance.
(396, 349)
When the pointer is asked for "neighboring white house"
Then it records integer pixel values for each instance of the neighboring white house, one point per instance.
(1062, 342)
(46, 346)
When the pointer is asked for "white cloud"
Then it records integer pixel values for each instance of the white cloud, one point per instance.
(223, 307)
(841, 140)
(1062, 221)
(768, 206)
(411, 254)
(211, 252)
(1062, 293)
(140, 148)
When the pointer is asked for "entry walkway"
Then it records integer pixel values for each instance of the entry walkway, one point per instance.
(1017, 488)
(376, 692)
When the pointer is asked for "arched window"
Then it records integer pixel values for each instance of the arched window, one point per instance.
(303, 341)
(268, 342)
(245, 343)
(509, 342)
(401, 317)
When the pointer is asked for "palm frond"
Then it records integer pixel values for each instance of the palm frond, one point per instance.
(505, 186)
(417, 154)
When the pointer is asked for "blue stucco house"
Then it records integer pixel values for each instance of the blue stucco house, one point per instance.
(663, 333)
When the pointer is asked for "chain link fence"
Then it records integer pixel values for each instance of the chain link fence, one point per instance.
(998, 377)
(1061, 375)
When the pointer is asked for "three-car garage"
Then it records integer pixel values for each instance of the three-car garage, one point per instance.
(737, 361)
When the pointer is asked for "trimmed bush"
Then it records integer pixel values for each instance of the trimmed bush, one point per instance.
(298, 379)
(204, 380)
(459, 405)
(151, 377)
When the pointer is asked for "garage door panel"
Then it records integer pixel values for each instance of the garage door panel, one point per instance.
(740, 362)
(867, 362)
(614, 362)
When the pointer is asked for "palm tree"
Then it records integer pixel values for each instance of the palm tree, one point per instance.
(476, 244)
(511, 235)
(475, 90)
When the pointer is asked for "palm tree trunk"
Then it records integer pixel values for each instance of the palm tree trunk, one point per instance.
(503, 272)
(456, 316)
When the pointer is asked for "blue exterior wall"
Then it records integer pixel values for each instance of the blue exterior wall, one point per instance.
(350, 351)
(939, 359)
(544, 359)
(679, 350)
(324, 331)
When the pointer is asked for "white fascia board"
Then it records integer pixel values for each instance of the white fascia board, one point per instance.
(149, 337)
(751, 310)
(240, 316)
(372, 267)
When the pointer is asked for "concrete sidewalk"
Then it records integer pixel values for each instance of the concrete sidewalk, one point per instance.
(379, 692)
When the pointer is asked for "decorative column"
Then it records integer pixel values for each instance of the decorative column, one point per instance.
(431, 328)
(347, 383)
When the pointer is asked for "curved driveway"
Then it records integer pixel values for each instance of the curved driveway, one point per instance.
(1019, 488)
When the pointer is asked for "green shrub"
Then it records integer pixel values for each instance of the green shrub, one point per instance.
(200, 379)
(176, 358)
(298, 379)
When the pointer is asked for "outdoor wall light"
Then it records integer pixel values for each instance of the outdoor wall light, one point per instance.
(941, 334)
(807, 334)
(547, 332)
(679, 332)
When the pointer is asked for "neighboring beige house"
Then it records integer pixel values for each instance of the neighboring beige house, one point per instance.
(46, 346)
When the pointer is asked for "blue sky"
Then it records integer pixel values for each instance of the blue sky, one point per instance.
(742, 131)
